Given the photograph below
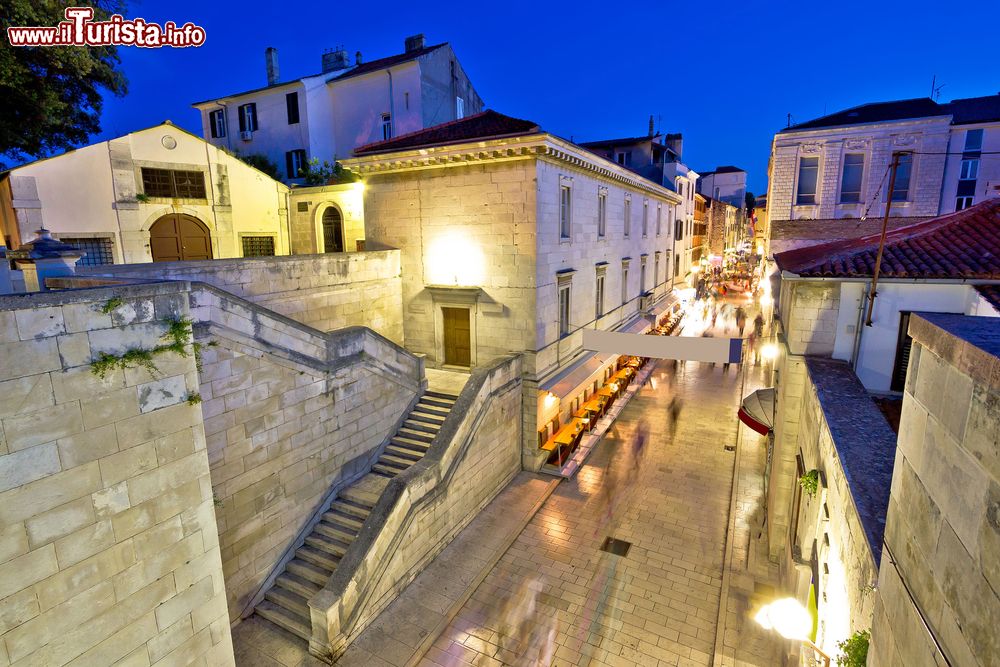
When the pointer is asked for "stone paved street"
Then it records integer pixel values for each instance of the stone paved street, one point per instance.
(659, 605)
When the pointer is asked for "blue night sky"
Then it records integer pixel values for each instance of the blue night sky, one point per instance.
(724, 73)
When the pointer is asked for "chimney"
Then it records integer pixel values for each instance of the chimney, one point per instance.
(335, 59)
(271, 61)
(651, 125)
(357, 58)
(675, 142)
(414, 42)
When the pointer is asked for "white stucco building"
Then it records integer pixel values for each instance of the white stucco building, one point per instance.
(158, 194)
(514, 240)
(325, 116)
(829, 177)
(726, 183)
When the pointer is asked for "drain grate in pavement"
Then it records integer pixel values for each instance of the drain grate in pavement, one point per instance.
(616, 547)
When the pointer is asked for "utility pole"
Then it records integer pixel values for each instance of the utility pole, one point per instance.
(881, 243)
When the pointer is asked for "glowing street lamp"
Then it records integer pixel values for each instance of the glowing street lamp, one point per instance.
(769, 351)
(791, 620)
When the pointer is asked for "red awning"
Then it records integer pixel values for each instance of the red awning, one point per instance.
(757, 411)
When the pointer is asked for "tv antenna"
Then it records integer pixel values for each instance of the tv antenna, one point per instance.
(936, 89)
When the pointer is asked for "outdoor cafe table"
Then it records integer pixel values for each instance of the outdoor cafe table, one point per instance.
(566, 438)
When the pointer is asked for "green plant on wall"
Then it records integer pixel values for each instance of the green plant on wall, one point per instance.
(111, 305)
(179, 334)
(854, 650)
(810, 482)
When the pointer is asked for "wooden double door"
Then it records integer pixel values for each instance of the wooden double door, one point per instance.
(457, 336)
(177, 237)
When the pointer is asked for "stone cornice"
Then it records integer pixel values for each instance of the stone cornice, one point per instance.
(836, 132)
(538, 146)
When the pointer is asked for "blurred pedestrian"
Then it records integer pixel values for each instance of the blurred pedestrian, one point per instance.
(674, 410)
(758, 325)
(741, 319)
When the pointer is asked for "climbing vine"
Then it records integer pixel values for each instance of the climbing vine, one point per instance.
(179, 334)
(810, 482)
(111, 305)
(854, 650)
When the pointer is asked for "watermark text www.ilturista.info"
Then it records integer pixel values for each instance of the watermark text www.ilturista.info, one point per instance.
(79, 29)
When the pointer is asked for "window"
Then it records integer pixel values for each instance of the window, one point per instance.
(656, 269)
(901, 189)
(963, 202)
(565, 201)
(717, 192)
(678, 230)
(624, 158)
(850, 180)
(677, 265)
(386, 126)
(645, 219)
(459, 108)
(903, 345)
(973, 140)
(642, 274)
(258, 246)
(295, 162)
(627, 216)
(173, 183)
(624, 283)
(659, 218)
(99, 251)
(970, 170)
(808, 173)
(217, 123)
(292, 107)
(248, 117)
(599, 294)
(602, 214)
(564, 309)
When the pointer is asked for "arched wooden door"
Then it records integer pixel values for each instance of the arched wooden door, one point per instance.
(176, 237)
(333, 230)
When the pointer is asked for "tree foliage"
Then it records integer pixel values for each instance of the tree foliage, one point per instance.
(315, 173)
(52, 95)
(750, 201)
(261, 162)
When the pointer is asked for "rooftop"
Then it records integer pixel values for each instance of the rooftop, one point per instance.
(991, 293)
(964, 245)
(865, 443)
(726, 169)
(968, 110)
(482, 126)
(340, 75)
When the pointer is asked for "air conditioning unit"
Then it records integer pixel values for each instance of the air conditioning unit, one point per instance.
(246, 135)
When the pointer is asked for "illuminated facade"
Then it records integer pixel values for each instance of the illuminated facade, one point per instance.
(513, 240)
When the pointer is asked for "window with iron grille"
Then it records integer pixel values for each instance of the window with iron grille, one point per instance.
(173, 183)
(99, 251)
(258, 246)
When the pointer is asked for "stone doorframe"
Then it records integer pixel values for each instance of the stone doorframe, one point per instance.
(445, 296)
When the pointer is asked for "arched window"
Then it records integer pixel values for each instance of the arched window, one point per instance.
(333, 230)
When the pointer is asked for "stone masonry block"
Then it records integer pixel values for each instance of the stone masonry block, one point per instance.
(28, 358)
(37, 323)
(28, 569)
(31, 499)
(28, 430)
(87, 446)
(29, 465)
(59, 522)
(162, 393)
(26, 394)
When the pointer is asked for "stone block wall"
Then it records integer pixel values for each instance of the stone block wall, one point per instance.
(108, 545)
(327, 292)
(474, 456)
(809, 313)
(284, 423)
(940, 593)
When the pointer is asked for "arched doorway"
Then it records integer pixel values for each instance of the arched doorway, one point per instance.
(333, 230)
(177, 237)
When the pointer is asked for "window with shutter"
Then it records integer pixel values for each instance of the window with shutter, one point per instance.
(903, 345)
(292, 107)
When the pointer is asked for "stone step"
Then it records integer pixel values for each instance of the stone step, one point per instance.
(334, 532)
(309, 572)
(297, 584)
(347, 522)
(405, 441)
(416, 436)
(438, 403)
(385, 471)
(321, 543)
(344, 506)
(410, 455)
(435, 410)
(317, 557)
(400, 462)
(293, 603)
(425, 418)
(282, 618)
(420, 427)
(440, 395)
(365, 492)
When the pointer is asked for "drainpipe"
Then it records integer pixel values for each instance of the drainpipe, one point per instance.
(858, 330)
(392, 113)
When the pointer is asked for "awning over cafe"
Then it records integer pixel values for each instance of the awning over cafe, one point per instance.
(757, 411)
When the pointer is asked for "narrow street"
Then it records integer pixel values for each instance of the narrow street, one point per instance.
(659, 604)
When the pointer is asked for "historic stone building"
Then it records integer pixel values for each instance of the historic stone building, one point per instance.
(514, 240)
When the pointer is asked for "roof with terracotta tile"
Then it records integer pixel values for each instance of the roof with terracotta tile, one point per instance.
(992, 295)
(482, 126)
(962, 245)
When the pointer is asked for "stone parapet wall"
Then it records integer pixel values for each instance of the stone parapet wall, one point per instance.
(475, 454)
(939, 595)
(109, 548)
(326, 292)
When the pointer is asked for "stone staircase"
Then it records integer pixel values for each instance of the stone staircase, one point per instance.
(286, 603)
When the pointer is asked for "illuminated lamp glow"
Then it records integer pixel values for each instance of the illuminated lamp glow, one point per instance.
(787, 617)
(453, 258)
(765, 299)
(769, 351)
